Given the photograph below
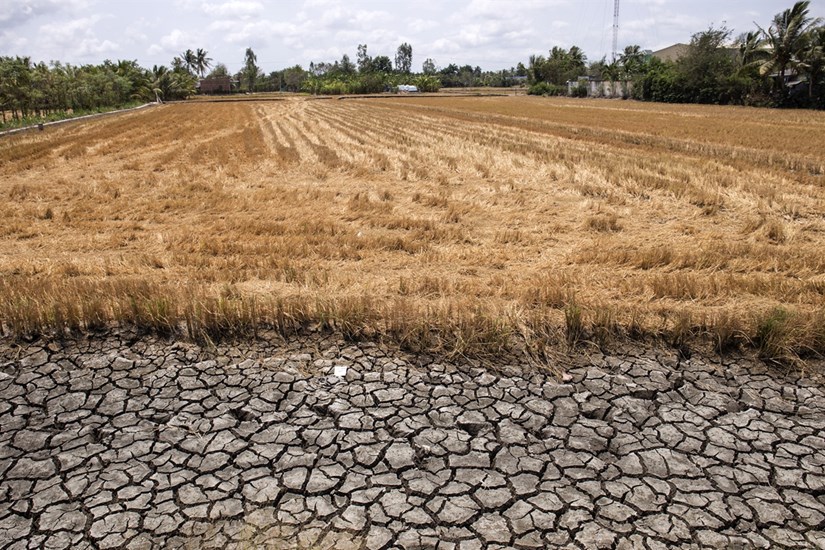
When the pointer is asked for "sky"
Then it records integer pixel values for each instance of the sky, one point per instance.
(492, 34)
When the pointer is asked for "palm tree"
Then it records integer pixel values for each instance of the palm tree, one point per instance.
(632, 59)
(611, 71)
(535, 72)
(202, 63)
(785, 40)
(750, 47)
(190, 60)
(813, 58)
(154, 83)
(577, 56)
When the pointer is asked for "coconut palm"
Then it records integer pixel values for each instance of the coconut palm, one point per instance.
(785, 40)
(153, 83)
(813, 58)
(164, 84)
(178, 64)
(750, 47)
(577, 57)
(190, 60)
(632, 59)
(202, 63)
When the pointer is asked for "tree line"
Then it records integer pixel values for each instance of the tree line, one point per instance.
(782, 65)
(31, 92)
(363, 75)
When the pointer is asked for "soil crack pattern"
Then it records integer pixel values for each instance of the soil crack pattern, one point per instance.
(318, 442)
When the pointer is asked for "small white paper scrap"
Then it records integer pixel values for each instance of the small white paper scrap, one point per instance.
(341, 371)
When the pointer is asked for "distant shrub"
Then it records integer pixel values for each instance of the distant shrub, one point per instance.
(427, 83)
(545, 88)
(580, 90)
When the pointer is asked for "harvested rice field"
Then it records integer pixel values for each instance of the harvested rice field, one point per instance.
(462, 224)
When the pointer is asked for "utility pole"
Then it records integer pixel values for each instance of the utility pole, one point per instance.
(615, 29)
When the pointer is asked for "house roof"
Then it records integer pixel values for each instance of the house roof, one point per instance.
(671, 53)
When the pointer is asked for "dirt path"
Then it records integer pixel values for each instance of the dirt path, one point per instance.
(321, 443)
(73, 119)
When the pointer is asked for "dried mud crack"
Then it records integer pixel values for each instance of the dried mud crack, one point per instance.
(154, 444)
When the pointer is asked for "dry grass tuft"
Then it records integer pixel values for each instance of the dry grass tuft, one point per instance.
(604, 222)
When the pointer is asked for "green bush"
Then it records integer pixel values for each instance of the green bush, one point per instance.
(580, 90)
(427, 83)
(545, 88)
(334, 87)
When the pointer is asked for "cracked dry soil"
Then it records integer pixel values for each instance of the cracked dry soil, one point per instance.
(153, 444)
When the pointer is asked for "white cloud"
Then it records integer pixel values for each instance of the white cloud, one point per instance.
(136, 32)
(234, 8)
(637, 31)
(13, 42)
(17, 12)
(445, 46)
(174, 43)
(504, 9)
(324, 54)
(321, 3)
(66, 32)
(420, 25)
(77, 39)
(93, 47)
(250, 33)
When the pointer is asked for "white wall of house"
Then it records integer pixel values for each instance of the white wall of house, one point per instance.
(603, 88)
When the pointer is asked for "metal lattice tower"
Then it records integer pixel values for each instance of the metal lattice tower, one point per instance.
(615, 29)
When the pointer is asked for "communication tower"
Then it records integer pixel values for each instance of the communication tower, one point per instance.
(615, 29)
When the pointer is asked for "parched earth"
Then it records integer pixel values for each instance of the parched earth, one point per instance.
(322, 443)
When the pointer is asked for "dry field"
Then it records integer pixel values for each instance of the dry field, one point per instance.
(461, 224)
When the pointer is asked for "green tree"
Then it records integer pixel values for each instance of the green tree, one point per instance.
(250, 69)
(784, 42)
(190, 60)
(153, 87)
(202, 62)
(403, 58)
(632, 60)
(294, 78)
(428, 67)
(167, 85)
(750, 49)
(15, 85)
(218, 70)
(746, 84)
(562, 65)
(706, 68)
(659, 81)
(813, 65)
(363, 60)
(381, 64)
(346, 66)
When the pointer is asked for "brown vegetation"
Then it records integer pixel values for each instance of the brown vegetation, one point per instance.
(453, 223)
